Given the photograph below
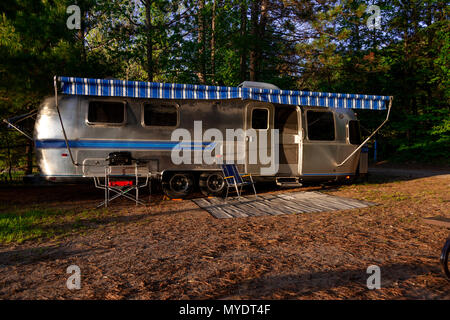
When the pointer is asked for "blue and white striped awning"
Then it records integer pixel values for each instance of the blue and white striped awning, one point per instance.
(155, 90)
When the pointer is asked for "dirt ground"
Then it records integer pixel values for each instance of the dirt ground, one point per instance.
(175, 250)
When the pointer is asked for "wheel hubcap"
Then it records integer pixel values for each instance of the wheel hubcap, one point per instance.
(215, 182)
(179, 183)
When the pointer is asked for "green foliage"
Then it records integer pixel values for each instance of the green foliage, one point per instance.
(408, 59)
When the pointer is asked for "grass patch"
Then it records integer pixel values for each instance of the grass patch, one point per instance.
(21, 225)
(396, 196)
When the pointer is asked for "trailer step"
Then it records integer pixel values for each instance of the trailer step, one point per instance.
(289, 185)
(288, 182)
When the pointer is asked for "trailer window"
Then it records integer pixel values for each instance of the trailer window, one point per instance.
(260, 119)
(160, 114)
(106, 112)
(320, 125)
(354, 134)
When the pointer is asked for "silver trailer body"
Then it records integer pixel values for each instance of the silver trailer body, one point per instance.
(300, 157)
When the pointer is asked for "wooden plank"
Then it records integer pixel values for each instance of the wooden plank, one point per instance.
(309, 205)
(266, 209)
(356, 201)
(273, 209)
(238, 210)
(341, 204)
(313, 204)
(298, 207)
(235, 212)
(222, 207)
(334, 203)
(251, 209)
(262, 205)
(208, 206)
(325, 206)
(351, 202)
(219, 213)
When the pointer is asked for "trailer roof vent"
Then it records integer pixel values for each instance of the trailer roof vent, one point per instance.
(259, 85)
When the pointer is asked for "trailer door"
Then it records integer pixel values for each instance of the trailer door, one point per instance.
(260, 118)
(287, 122)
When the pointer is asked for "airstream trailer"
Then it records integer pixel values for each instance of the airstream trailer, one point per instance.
(89, 119)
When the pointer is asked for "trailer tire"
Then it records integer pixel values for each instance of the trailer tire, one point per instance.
(212, 184)
(178, 184)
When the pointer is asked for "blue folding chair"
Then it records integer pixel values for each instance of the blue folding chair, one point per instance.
(236, 180)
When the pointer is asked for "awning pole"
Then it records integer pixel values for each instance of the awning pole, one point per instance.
(22, 132)
(60, 120)
(373, 133)
(22, 117)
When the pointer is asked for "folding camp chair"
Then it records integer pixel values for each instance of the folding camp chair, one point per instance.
(235, 180)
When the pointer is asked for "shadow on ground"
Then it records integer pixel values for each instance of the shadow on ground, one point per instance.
(40, 254)
(294, 285)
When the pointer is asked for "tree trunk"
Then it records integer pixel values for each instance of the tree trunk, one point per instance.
(81, 35)
(259, 17)
(8, 147)
(255, 39)
(264, 16)
(29, 151)
(149, 40)
(201, 74)
(243, 58)
(213, 43)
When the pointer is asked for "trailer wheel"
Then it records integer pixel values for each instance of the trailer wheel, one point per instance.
(212, 183)
(178, 185)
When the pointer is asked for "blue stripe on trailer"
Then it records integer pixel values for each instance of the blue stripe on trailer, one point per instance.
(114, 144)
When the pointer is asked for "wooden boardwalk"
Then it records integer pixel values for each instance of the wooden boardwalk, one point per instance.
(277, 204)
